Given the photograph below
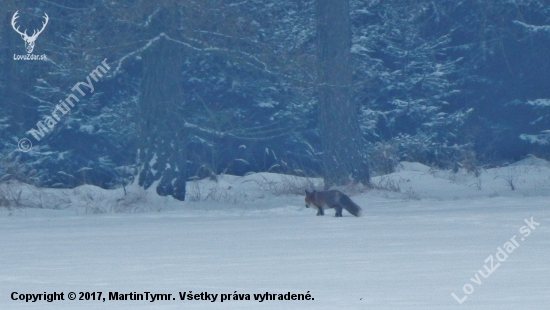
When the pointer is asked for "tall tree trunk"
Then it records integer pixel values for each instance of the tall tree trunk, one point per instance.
(344, 156)
(163, 136)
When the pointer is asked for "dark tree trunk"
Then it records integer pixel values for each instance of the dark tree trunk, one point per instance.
(163, 136)
(344, 156)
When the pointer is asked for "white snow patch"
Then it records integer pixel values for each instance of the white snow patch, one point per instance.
(543, 138)
(539, 102)
(268, 103)
(357, 49)
(410, 166)
(532, 28)
(87, 129)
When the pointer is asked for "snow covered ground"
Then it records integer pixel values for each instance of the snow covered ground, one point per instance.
(425, 235)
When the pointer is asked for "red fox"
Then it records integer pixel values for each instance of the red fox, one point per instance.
(332, 199)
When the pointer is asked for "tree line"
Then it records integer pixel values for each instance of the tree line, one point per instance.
(338, 89)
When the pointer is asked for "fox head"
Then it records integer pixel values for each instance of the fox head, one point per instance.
(309, 198)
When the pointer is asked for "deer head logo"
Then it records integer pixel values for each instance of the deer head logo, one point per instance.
(29, 40)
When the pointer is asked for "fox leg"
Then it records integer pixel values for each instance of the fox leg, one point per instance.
(338, 210)
(320, 211)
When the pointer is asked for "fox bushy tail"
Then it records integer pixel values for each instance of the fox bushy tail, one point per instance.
(351, 206)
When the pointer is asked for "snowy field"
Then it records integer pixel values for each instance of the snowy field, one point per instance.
(425, 235)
